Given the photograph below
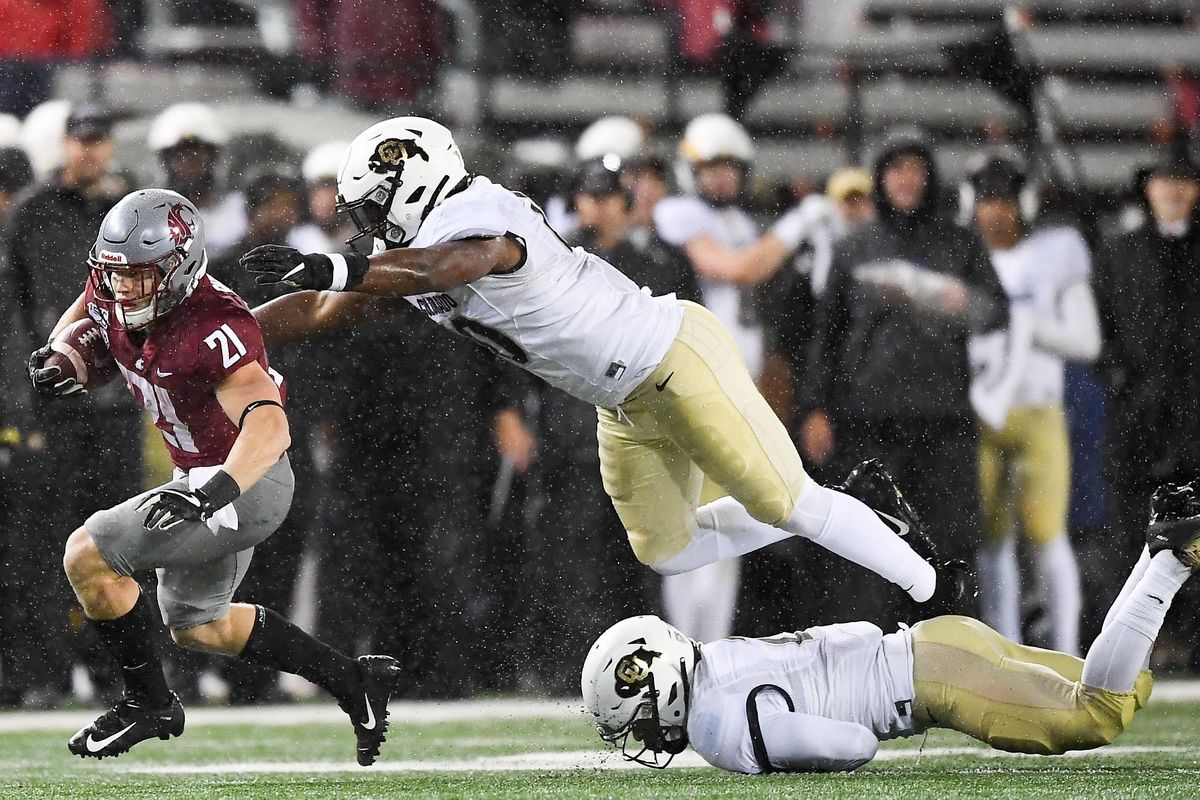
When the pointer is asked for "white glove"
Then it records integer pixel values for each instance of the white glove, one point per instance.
(792, 227)
(924, 288)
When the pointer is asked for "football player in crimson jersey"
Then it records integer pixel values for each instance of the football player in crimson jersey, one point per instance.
(674, 399)
(191, 352)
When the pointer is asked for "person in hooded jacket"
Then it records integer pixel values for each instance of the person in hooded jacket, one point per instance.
(888, 375)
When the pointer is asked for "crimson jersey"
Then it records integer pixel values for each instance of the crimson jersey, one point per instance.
(177, 365)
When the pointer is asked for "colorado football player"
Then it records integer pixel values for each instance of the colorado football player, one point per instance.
(674, 399)
(191, 353)
(820, 700)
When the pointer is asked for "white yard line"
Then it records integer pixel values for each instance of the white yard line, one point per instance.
(582, 760)
(402, 712)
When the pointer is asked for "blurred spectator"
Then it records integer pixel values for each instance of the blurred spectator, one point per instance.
(326, 231)
(39, 33)
(1024, 457)
(1150, 307)
(15, 174)
(188, 138)
(887, 375)
(648, 182)
(378, 54)
(91, 456)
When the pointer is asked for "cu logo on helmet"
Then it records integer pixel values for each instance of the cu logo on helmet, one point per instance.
(391, 154)
(633, 671)
(177, 226)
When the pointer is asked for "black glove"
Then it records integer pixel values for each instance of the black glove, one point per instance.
(171, 507)
(46, 380)
(277, 263)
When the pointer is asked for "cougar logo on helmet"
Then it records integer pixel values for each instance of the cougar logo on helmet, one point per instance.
(391, 154)
(633, 670)
(178, 227)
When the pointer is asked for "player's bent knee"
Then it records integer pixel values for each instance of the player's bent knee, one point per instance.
(210, 637)
(81, 559)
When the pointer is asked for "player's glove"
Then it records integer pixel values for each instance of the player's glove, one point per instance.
(168, 508)
(276, 263)
(48, 381)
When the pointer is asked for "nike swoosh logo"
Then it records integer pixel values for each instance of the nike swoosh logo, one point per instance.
(663, 385)
(899, 527)
(162, 374)
(1159, 599)
(370, 723)
(95, 747)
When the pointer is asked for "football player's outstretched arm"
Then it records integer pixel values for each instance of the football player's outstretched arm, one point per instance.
(401, 272)
(302, 315)
(798, 742)
(250, 398)
(759, 261)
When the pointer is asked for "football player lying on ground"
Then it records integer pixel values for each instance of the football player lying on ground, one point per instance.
(822, 699)
(190, 351)
(675, 402)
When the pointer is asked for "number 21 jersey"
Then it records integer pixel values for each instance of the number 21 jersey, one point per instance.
(174, 368)
(565, 315)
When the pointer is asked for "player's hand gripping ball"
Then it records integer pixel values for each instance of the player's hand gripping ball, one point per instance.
(73, 361)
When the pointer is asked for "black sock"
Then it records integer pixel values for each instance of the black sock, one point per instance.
(130, 641)
(275, 642)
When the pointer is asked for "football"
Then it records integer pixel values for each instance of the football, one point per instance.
(81, 353)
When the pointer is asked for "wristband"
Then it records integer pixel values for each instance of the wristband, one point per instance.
(348, 270)
(220, 490)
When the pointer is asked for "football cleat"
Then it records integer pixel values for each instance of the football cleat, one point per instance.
(368, 706)
(871, 484)
(1175, 522)
(126, 724)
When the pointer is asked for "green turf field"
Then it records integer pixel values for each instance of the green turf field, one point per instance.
(547, 751)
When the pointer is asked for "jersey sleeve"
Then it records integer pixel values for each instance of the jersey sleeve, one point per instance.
(225, 342)
(798, 742)
(1074, 259)
(678, 220)
(461, 217)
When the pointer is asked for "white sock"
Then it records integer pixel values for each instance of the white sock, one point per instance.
(1000, 587)
(1139, 569)
(726, 530)
(701, 602)
(848, 528)
(1122, 649)
(1057, 575)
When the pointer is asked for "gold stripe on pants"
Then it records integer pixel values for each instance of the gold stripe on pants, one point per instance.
(699, 414)
(1015, 698)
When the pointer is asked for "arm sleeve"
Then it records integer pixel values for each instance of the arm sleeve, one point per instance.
(806, 743)
(678, 220)
(1073, 332)
(225, 343)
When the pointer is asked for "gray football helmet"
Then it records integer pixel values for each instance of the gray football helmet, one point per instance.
(147, 258)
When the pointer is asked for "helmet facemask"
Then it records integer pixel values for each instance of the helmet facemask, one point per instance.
(647, 728)
(370, 215)
(151, 281)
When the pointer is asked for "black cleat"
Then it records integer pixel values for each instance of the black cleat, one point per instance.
(1175, 522)
(871, 484)
(368, 707)
(126, 724)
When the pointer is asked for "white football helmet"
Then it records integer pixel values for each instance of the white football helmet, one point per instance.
(184, 122)
(713, 137)
(394, 173)
(619, 135)
(637, 682)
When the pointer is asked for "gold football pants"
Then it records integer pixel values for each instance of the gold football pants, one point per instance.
(1015, 698)
(699, 414)
(1025, 468)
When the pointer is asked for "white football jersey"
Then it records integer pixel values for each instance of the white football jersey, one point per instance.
(681, 219)
(832, 675)
(1037, 271)
(565, 315)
